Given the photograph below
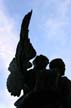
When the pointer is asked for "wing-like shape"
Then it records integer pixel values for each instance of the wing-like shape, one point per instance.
(24, 46)
(20, 63)
(25, 50)
(25, 22)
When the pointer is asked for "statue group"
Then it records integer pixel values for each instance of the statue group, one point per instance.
(42, 87)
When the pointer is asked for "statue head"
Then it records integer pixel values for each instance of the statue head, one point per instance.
(41, 62)
(58, 64)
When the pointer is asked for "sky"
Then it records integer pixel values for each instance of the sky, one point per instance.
(49, 33)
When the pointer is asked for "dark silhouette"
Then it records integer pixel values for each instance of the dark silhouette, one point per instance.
(57, 67)
(51, 86)
(35, 79)
(42, 87)
(63, 84)
(21, 63)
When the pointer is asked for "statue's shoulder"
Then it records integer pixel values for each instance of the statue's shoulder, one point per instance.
(65, 80)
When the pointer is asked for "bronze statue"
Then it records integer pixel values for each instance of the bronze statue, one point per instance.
(42, 87)
(20, 62)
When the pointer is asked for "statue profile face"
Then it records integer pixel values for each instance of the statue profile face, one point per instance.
(58, 64)
(41, 61)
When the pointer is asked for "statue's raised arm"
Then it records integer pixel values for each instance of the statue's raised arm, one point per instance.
(20, 63)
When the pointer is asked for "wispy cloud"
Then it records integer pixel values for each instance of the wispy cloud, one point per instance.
(8, 38)
(8, 41)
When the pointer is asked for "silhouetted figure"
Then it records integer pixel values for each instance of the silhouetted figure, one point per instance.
(57, 69)
(44, 88)
(63, 84)
(20, 63)
(58, 64)
(35, 79)
(38, 73)
(46, 91)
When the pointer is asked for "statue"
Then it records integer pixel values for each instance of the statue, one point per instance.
(42, 87)
(20, 62)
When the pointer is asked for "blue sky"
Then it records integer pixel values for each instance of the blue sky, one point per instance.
(50, 34)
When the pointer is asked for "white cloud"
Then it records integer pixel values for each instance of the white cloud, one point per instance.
(6, 100)
(8, 38)
(8, 41)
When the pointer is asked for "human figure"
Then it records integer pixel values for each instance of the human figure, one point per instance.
(57, 67)
(35, 80)
(47, 84)
(41, 95)
(40, 64)
(63, 84)
(35, 77)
